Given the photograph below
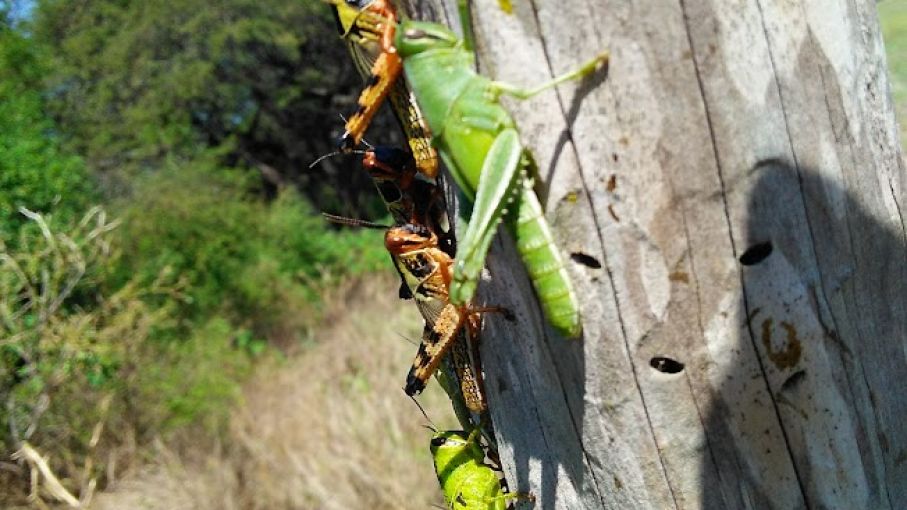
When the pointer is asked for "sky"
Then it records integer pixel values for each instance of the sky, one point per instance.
(19, 9)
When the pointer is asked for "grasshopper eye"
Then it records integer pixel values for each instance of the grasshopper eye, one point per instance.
(438, 441)
(416, 33)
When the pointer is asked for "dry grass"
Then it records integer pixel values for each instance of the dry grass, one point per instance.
(328, 428)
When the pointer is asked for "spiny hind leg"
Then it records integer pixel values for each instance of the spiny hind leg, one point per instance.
(437, 342)
(469, 362)
(469, 376)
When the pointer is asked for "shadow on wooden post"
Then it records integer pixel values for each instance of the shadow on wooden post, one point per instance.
(757, 133)
(802, 417)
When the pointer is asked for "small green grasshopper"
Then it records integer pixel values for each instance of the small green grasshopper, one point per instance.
(468, 483)
(478, 141)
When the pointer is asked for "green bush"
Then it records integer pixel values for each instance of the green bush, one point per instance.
(34, 172)
(253, 261)
(167, 348)
(193, 382)
(67, 350)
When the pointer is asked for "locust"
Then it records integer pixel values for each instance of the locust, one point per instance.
(478, 142)
(368, 33)
(409, 199)
(427, 272)
(423, 262)
(424, 265)
(467, 482)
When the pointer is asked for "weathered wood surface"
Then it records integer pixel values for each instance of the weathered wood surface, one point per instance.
(760, 130)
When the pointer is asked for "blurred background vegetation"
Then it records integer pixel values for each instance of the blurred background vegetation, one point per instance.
(893, 17)
(165, 279)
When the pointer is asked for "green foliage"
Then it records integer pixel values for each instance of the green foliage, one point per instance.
(79, 350)
(193, 122)
(194, 382)
(257, 262)
(137, 84)
(893, 18)
(63, 344)
(34, 172)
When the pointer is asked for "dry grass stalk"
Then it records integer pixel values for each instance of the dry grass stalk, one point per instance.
(40, 468)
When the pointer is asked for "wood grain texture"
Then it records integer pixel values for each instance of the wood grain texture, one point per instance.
(725, 130)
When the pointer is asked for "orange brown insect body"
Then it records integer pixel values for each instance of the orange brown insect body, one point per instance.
(369, 28)
(422, 248)
(427, 270)
(409, 197)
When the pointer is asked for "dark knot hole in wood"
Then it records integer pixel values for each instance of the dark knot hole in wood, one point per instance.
(666, 365)
(756, 253)
(586, 260)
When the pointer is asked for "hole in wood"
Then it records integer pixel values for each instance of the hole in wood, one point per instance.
(756, 253)
(586, 260)
(666, 365)
(794, 380)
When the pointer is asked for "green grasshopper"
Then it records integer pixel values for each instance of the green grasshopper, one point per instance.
(468, 483)
(479, 143)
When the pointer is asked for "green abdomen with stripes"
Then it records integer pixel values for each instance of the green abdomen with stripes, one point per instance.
(544, 263)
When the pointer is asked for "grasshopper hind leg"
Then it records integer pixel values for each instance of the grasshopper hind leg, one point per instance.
(437, 342)
(589, 67)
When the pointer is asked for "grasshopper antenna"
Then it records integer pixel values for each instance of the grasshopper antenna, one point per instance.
(408, 339)
(336, 153)
(363, 141)
(431, 425)
(353, 222)
(326, 156)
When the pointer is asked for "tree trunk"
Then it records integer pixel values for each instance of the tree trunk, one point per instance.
(730, 199)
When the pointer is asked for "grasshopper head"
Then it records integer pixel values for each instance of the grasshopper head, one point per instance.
(389, 163)
(454, 447)
(404, 239)
(413, 37)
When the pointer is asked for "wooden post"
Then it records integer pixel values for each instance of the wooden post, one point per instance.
(730, 196)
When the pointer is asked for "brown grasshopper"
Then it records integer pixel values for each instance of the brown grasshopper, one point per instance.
(368, 27)
(421, 248)
(427, 271)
